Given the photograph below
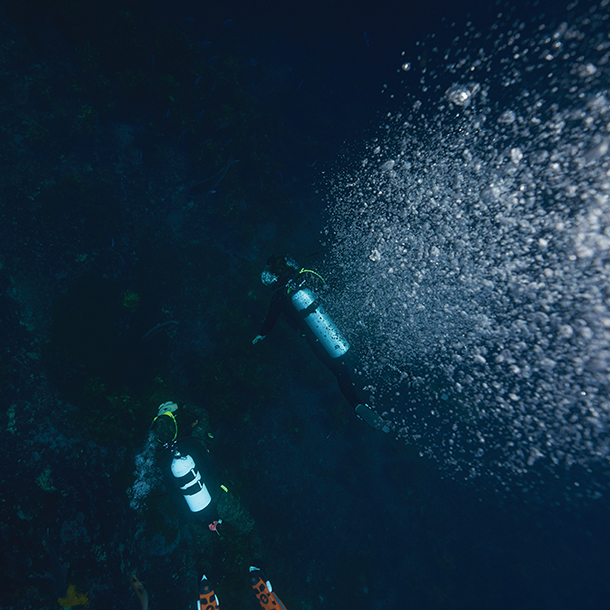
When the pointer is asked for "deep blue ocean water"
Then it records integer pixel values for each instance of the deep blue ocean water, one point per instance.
(444, 166)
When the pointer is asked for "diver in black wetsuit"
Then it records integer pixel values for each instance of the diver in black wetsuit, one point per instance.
(193, 486)
(203, 501)
(302, 309)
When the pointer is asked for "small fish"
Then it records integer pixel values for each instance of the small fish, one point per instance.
(204, 43)
(226, 23)
(212, 89)
(155, 330)
(199, 114)
(211, 60)
(189, 19)
(140, 591)
(197, 81)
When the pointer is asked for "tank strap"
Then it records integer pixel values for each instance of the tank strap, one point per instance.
(185, 478)
(192, 490)
(303, 313)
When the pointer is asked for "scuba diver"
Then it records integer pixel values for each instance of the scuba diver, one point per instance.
(294, 297)
(192, 484)
(184, 463)
(262, 588)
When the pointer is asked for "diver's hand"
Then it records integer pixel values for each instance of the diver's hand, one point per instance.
(257, 339)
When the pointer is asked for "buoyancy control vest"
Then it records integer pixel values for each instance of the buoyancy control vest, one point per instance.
(317, 320)
(189, 482)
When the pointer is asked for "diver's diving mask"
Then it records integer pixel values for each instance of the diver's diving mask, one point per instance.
(277, 266)
(268, 278)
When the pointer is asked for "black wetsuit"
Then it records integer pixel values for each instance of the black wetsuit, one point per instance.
(281, 303)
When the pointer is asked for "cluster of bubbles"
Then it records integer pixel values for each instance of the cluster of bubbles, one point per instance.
(470, 245)
(147, 476)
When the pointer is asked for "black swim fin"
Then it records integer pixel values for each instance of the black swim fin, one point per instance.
(372, 418)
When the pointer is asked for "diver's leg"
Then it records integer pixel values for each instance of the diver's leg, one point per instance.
(231, 511)
(203, 548)
(340, 368)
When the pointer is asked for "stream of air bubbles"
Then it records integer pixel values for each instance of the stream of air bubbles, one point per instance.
(469, 248)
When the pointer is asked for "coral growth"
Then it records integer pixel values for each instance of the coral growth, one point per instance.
(73, 598)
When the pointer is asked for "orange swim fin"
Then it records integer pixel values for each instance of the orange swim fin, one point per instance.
(264, 593)
(207, 598)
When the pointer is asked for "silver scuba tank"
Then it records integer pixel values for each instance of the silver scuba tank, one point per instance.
(319, 323)
(196, 493)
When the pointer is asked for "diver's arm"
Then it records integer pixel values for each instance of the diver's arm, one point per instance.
(275, 311)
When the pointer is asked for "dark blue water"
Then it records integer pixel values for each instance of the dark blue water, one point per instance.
(444, 166)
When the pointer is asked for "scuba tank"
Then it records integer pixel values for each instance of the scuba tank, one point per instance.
(188, 477)
(322, 327)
